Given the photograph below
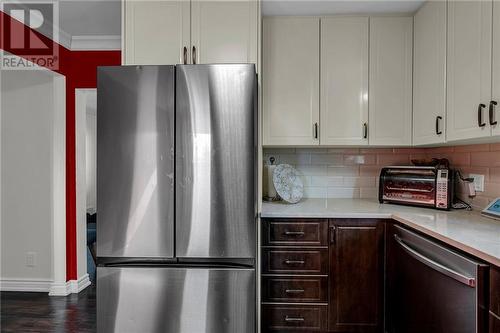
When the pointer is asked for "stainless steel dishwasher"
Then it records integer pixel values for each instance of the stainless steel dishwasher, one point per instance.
(432, 289)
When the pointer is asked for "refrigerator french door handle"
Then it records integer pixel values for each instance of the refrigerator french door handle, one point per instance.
(468, 281)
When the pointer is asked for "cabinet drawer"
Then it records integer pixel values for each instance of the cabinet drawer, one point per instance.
(295, 289)
(495, 290)
(280, 261)
(295, 232)
(294, 318)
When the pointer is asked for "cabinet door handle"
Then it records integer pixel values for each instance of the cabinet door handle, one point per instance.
(294, 291)
(332, 234)
(294, 262)
(294, 319)
(315, 130)
(193, 55)
(480, 122)
(185, 55)
(294, 233)
(438, 131)
(492, 113)
(365, 131)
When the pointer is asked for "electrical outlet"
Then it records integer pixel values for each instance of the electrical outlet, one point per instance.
(30, 259)
(478, 182)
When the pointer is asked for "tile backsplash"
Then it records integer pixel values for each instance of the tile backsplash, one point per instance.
(354, 172)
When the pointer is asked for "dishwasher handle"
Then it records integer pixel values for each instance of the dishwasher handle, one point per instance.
(468, 281)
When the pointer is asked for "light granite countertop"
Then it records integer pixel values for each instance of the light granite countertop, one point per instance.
(465, 230)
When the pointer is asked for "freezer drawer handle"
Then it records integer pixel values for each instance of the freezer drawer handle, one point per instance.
(293, 319)
(294, 291)
(471, 282)
(294, 262)
(294, 233)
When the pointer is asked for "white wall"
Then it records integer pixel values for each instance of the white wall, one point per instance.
(32, 178)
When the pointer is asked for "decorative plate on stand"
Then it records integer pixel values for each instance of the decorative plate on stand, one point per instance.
(288, 183)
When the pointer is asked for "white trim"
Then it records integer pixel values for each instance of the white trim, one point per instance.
(69, 287)
(75, 286)
(64, 39)
(59, 184)
(59, 289)
(35, 285)
(108, 42)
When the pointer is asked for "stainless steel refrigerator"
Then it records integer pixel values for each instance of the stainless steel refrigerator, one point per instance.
(176, 198)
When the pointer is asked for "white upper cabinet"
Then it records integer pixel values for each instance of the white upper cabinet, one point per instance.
(176, 32)
(224, 31)
(290, 81)
(344, 81)
(495, 93)
(156, 32)
(468, 69)
(429, 74)
(390, 96)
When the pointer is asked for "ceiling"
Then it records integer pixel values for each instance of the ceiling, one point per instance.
(331, 7)
(90, 17)
(103, 17)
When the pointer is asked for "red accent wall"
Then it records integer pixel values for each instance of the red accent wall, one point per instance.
(79, 68)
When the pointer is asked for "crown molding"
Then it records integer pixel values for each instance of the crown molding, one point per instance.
(64, 39)
(87, 43)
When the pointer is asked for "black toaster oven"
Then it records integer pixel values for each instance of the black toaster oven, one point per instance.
(417, 186)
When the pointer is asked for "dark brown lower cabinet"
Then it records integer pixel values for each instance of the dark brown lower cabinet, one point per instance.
(494, 313)
(321, 275)
(356, 275)
(494, 323)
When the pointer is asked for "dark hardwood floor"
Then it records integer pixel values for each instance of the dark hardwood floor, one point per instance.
(38, 312)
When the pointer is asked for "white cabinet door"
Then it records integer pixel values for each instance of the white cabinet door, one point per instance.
(468, 69)
(390, 95)
(495, 93)
(156, 32)
(290, 81)
(429, 74)
(224, 31)
(344, 80)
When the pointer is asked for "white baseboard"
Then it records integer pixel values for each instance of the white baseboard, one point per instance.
(35, 285)
(78, 285)
(69, 287)
(44, 286)
(59, 289)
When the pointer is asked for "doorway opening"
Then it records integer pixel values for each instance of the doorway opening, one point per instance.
(86, 170)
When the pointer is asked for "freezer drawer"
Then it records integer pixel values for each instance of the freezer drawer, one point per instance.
(175, 300)
(215, 161)
(135, 161)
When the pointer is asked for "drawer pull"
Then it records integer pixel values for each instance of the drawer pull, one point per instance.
(294, 319)
(294, 233)
(294, 262)
(294, 291)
